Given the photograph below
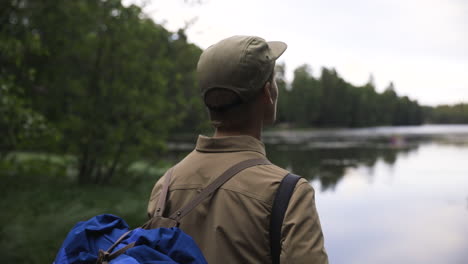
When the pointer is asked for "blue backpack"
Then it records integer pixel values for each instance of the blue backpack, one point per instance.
(107, 239)
(86, 241)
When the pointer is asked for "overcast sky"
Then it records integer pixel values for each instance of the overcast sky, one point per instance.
(420, 45)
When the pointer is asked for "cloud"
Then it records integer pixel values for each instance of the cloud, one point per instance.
(421, 45)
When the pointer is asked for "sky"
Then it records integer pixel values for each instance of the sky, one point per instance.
(419, 45)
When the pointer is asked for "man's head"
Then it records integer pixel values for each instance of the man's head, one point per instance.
(236, 78)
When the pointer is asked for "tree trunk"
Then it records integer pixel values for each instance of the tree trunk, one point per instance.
(115, 162)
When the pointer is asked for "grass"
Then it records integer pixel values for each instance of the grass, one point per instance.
(40, 204)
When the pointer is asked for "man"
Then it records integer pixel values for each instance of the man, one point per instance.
(236, 77)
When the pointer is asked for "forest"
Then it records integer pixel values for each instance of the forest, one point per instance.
(105, 84)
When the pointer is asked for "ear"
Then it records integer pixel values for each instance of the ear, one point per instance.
(267, 92)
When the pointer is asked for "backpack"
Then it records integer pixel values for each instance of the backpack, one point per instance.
(108, 239)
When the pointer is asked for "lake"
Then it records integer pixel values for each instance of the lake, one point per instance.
(384, 195)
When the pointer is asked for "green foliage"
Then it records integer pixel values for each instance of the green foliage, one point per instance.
(330, 101)
(193, 117)
(448, 114)
(336, 100)
(305, 86)
(111, 81)
(21, 126)
(284, 102)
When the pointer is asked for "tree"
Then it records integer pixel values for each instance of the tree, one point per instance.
(447, 114)
(336, 100)
(183, 82)
(107, 77)
(388, 101)
(305, 97)
(20, 124)
(284, 104)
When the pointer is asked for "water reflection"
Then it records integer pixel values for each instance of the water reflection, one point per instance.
(329, 164)
(412, 211)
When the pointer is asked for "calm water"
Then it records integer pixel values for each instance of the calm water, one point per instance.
(388, 195)
(385, 195)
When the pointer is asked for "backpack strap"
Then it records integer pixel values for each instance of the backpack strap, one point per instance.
(104, 257)
(280, 204)
(208, 190)
(161, 205)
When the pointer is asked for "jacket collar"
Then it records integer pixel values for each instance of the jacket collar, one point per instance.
(229, 144)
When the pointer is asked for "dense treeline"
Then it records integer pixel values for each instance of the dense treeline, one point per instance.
(102, 81)
(447, 114)
(104, 84)
(332, 102)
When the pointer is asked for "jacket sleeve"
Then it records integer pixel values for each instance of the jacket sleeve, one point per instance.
(301, 236)
(154, 198)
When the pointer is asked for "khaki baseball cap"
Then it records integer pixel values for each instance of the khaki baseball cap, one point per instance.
(241, 64)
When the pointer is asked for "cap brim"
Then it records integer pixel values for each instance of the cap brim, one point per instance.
(277, 48)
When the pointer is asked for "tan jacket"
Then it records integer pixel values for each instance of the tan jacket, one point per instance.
(232, 225)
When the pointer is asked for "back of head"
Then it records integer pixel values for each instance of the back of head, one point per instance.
(231, 74)
(226, 109)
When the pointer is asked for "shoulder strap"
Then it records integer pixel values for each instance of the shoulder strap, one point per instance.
(280, 204)
(161, 205)
(212, 187)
